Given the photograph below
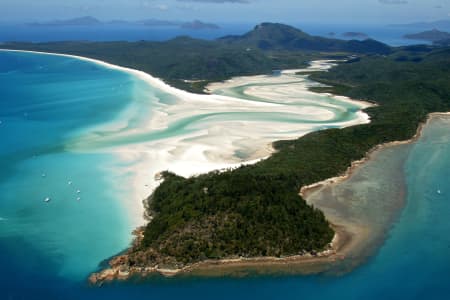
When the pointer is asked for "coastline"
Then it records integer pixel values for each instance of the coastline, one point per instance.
(365, 239)
(198, 152)
(336, 251)
(307, 189)
(308, 263)
(348, 240)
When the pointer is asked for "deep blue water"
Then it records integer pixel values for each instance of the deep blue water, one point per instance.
(9, 32)
(39, 107)
(13, 32)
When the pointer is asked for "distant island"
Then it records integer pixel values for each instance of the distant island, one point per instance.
(82, 21)
(196, 24)
(155, 22)
(272, 36)
(423, 25)
(430, 35)
(355, 35)
(91, 21)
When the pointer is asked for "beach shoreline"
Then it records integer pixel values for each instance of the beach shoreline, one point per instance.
(337, 249)
(197, 152)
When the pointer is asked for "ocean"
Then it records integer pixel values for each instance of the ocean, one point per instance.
(51, 107)
(391, 35)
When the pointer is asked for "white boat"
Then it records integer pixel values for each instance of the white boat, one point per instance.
(47, 199)
(78, 191)
(79, 198)
(69, 182)
(439, 192)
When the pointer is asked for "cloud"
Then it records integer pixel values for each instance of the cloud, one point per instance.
(145, 4)
(393, 2)
(187, 7)
(217, 1)
(149, 5)
(162, 7)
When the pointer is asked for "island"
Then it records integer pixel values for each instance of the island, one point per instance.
(355, 35)
(91, 21)
(198, 25)
(255, 214)
(430, 36)
(82, 21)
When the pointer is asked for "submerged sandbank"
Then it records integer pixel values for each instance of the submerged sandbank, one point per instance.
(368, 198)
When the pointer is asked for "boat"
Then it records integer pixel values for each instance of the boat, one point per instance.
(439, 192)
(79, 198)
(47, 199)
(78, 191)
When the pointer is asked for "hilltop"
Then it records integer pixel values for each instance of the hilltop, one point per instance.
(275, 36)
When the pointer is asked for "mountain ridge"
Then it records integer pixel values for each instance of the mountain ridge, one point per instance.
(277, 36)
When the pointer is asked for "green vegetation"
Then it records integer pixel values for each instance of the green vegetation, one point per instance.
(272, 36)
(201, 62)
(256, 210)
(239, 213)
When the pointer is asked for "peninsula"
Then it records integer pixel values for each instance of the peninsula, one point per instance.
(255, 212)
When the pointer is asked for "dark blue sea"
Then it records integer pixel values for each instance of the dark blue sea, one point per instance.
(392, 35)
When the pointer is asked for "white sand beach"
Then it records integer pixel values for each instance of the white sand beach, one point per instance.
(202, 133)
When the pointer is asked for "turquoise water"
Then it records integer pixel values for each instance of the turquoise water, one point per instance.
(44, 98)
(48, 249)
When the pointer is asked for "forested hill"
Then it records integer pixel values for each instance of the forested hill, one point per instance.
(274, 36)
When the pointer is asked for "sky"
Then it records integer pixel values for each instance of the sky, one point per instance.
(231, 11)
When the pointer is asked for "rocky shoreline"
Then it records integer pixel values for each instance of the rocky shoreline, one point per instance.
(120, 268)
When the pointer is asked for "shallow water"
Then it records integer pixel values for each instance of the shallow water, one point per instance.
(367, 203)
(69, 120)
(42, 100)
